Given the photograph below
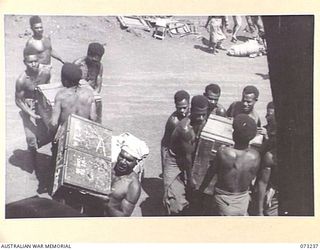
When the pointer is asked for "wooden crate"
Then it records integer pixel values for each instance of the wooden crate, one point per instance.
(83, 159)
(216, 132)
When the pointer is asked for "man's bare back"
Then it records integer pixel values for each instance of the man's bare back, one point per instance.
(236, 168)
(74, 100)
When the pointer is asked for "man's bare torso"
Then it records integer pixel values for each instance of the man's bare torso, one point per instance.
(44, 48)
(28, 83)
(121, 187)
(236, 168)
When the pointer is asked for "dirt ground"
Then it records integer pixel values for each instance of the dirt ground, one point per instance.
(141, 75)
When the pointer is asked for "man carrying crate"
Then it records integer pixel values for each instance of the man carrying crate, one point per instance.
(34, 75)
(235, 167)
(178, 183)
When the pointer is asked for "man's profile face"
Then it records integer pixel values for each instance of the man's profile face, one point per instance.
(37, 29)
(213, 98)
(182, 108)
(125, 163)
(248, 101)
(32, 63)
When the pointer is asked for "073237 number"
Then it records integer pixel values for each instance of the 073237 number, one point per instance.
(309, 245)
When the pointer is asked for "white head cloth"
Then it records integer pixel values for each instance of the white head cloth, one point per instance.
(132, 145)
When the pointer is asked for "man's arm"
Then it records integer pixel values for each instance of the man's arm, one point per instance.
(19, 98)
(56, 112)
(188, 148)
(263, 180)
(55, 55)
(129, 202)
(93, 110)
(212, 170)
(99, 79)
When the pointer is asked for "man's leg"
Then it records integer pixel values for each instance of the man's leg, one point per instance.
(237, 25)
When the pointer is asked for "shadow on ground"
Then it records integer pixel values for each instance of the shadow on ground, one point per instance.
(23, 160)
(152, 205)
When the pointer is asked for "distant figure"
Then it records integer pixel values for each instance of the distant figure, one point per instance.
(236, 167)
(42, 44)
(72, 99)
(34, 75)
(212, 93)
(181, 100)
(178, 183)
(250, 95)
(237, 25)
(268, 177)
(215, 26)
(91, 66)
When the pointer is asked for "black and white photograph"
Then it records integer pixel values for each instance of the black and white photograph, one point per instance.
(158, 115)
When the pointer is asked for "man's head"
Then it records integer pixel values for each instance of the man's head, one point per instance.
(270, 111)
(181, 100)
(30, 59)
(132, 151)
(244, 129)
(125, 163)
(70, 75)
(199, 109)
(36, 26)
(94, 53)
(212, 92)
(250, 95)
(271, 120)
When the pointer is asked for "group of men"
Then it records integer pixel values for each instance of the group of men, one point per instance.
(236, 167)
(73, 98)
(244, 174)
(218, 26)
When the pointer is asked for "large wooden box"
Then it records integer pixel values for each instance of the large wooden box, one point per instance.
(217, 131)
(45, 95)
(83, 159)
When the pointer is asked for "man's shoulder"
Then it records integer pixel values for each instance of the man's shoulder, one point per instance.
(252, 154)
(173, 118)
(80, 61)
(21, 78)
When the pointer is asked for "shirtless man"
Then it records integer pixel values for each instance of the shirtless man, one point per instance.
(179, 160)
(212, 93)
(236, 167)
(91, 66)
(181, 100)
(125, 186)
(250, 95)
(267, 178)
(72, 99)
(35, 74)
(42, 44)
(92, 70)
